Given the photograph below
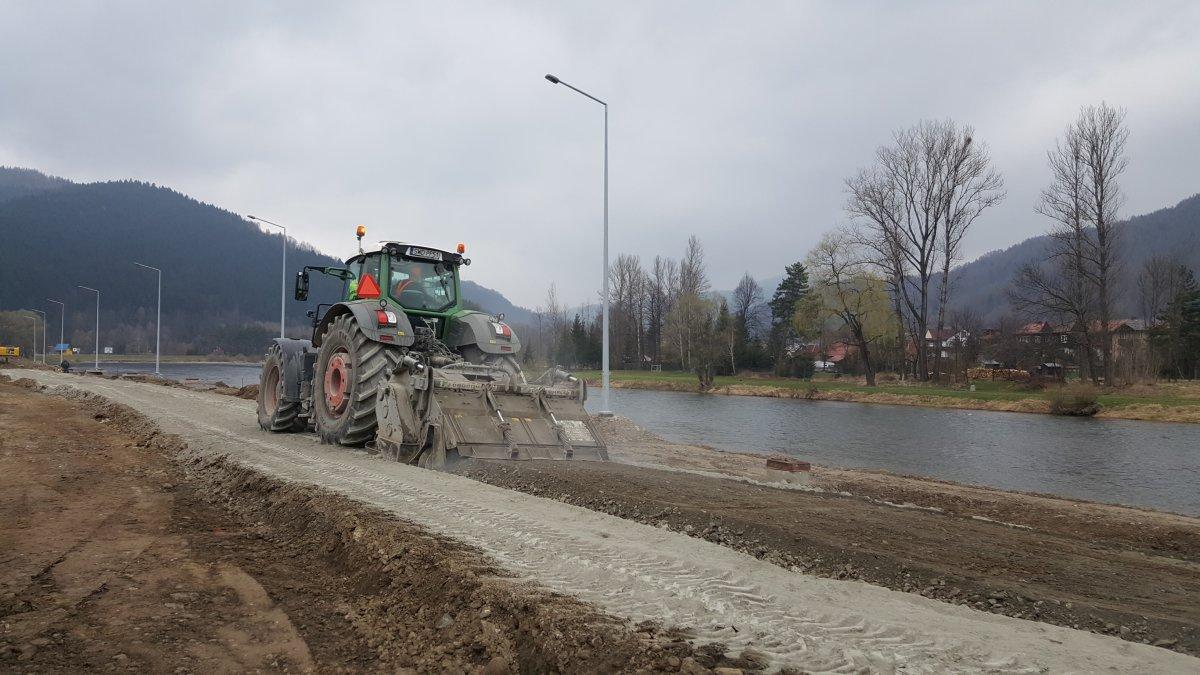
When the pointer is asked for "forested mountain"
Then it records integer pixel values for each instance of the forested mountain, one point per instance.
(15, 182)
(221, 274)
(981, 285)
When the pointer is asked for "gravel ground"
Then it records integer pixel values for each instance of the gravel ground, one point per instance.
(630, 570)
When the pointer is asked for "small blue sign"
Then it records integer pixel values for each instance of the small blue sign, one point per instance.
(61, 347)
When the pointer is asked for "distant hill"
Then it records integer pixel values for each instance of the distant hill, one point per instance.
(16, 182)
(220, 272)
(981, 285)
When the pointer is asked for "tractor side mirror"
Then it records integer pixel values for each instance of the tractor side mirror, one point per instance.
(302, 285)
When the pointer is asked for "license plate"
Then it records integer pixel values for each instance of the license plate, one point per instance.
(424, 253)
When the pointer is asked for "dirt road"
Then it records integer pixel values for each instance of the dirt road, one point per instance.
(114, 557)
(640, 572)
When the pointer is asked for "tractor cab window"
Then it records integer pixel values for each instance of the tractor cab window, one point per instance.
(419, 285)
(366, 265)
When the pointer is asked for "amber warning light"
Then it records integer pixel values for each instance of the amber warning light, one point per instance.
(361, 231)
(462, 248)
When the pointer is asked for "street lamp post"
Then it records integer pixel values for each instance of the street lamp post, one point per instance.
(97, 323)
(33, 343)
(283, 273)
(43, 333)
(62, 321)
(605, 410)
(158, 320)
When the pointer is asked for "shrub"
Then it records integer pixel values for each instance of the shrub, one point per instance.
(798, 366)
(1077, 400)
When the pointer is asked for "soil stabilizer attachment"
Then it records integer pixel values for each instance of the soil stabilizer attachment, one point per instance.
(429, 415)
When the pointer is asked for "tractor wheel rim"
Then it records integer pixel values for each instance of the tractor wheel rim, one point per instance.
(337, 382)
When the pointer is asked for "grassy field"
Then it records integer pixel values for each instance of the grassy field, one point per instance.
(1171, 395)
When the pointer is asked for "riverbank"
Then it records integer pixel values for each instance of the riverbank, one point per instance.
(1166, 402)
(1110, 569)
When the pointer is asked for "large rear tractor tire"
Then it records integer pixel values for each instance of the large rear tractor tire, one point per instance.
(351, 369)
(273, 413)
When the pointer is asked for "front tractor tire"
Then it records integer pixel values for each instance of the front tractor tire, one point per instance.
(273, 413)
(351, 369)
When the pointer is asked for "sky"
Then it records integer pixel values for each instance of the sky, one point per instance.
(432, 123)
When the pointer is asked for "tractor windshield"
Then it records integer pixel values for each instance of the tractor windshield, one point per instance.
(426, 286)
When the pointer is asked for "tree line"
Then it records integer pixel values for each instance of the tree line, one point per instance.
(664, 313)
(881, 283)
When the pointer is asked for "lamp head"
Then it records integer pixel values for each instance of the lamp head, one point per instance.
(553, 79)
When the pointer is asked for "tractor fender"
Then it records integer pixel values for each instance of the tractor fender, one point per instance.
(299, 357)
(400, 335)
(477, 328)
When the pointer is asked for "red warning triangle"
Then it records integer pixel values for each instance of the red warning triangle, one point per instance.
(368, 288)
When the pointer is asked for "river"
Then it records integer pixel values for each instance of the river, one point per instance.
(1151, 464)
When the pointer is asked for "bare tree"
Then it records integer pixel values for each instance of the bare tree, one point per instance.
(658, 291)
(1159, 281)
(971, 186)
(1102, 134)
(923, 193)
(693, 284)
(627, 311)
(746, 296)
(1079, 282)
(551, 325)
(693, 273)
(1061, 288)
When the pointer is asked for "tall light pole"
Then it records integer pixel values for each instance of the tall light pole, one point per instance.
(62, 322)
(43, 333)
(282, 274)
(605, 410)
(33, 343)
(158, 321)
(97, 322)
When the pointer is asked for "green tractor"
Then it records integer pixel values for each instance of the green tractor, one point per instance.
(400, 365)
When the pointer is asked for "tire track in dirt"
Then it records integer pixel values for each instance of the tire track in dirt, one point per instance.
(642, 572)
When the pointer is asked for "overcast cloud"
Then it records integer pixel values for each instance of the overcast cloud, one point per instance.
(734, 121)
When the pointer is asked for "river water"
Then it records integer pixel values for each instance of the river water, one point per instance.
(1151, 464)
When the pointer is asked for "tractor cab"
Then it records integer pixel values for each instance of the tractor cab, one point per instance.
(409, 296)
(422, 281)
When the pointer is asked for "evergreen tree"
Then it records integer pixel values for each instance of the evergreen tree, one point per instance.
(1178, 332)
(791, 290)
(783, 304)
